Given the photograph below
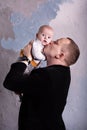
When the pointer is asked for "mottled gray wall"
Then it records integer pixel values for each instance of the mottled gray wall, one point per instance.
(19, 21)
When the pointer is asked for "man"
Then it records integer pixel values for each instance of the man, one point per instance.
(45, 89)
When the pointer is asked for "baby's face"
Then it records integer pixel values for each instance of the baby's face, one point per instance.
(45, 36)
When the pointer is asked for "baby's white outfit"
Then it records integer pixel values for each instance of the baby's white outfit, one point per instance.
(37, 50)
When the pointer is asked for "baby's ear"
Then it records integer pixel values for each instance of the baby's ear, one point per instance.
(36, 34)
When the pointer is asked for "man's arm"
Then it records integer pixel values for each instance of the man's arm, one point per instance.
(17, 81)
(15, 78)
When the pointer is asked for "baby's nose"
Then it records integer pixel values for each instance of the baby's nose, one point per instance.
(45, 37)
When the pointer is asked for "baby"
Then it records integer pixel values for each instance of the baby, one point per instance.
(43, 37)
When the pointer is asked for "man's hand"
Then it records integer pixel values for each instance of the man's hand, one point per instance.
(26, 51)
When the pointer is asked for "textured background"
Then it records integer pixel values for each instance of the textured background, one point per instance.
(19, 21)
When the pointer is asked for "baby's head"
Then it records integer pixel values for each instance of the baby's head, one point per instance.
(45, 34)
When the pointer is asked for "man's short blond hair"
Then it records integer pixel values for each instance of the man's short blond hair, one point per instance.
(73, 52)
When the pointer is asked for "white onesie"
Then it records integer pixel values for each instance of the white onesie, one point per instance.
(37, 50)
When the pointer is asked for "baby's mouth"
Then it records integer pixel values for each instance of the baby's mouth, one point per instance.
(45, 41)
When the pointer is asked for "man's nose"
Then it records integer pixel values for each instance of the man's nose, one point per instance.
(51, 42)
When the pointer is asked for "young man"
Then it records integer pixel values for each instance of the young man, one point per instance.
(45, 90)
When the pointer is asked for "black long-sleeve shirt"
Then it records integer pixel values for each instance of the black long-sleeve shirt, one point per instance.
(44, 95)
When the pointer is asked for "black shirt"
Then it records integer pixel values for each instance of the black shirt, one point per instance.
(44, 95)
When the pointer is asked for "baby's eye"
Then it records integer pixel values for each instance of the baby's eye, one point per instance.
(49, 37)
(43, 34)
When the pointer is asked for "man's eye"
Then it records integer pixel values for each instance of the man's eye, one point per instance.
(56, 43)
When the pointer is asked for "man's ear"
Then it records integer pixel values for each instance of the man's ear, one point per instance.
(59, 56)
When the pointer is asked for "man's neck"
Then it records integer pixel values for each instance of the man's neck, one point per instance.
(55, 62)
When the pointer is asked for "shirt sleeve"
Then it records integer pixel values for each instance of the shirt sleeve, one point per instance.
(17, 81)
(15, 77)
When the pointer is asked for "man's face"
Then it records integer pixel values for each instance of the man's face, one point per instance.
(54, 48)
